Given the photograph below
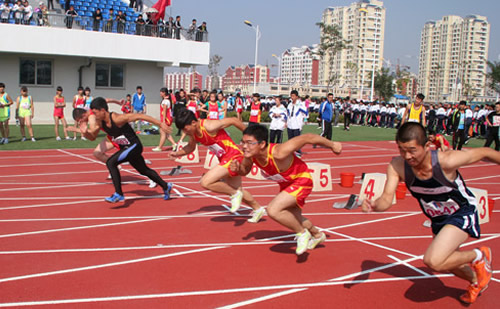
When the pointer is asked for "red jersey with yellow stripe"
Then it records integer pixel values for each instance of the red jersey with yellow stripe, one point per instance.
(220, 144)
(255, 112)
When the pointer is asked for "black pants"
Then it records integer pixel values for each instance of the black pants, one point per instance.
(292, 133)
(493, 136)
(326, 127)
(133, 155)
(275, 136)
(347, 120)
(50, 4)
(458, 139)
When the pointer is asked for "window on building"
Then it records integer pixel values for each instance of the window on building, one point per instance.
(109, 75)
(35, 72)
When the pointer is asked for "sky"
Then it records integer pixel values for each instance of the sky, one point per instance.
(292, 23)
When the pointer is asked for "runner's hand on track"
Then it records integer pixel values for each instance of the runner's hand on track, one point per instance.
(367, 205)
(337, 147)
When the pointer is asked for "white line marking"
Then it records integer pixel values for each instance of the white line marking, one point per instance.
(410, 266)
(260, 299)
(70, 270)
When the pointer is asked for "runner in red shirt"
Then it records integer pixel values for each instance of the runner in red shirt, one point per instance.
(438, 140)
(278, 162)
(219, 179)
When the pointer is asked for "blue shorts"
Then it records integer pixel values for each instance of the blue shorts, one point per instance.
(465, 219)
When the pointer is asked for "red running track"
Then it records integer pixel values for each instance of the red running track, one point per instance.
(61, 244)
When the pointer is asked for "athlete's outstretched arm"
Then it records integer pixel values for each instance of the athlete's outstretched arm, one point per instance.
(384, 202)
(122, 119)
(452, 160)
(281, 151)
(190, 147)
(119, 102)
(213, 126)
(242, 168)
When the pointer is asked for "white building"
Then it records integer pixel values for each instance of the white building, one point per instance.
(453, 55)
(111, 64)
(363, 24)
(300, 65)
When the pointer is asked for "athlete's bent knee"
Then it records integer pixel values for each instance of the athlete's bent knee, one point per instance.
(205, 183)
(434, 263)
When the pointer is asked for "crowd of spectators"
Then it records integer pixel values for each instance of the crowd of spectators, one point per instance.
(109, 18)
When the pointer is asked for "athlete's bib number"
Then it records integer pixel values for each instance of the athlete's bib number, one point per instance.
(217, 150)
(254, 112)
(275, 177)
(121, 140)
(436, 209)
(213, 115)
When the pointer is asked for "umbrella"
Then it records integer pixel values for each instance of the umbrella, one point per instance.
(150, 10)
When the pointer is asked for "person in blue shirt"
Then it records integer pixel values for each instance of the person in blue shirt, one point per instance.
(326, 114)
(139, 104)
(458, 124)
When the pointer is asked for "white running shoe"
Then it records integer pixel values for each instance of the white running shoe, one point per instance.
(33, 139)
(316, 241)
(74, 138)
(68, 138)
(6, 141)
(84, 138)
(23, 139)
(2, 140)
(157, 149)
(302, 242)
(257, 215)
(236, 201)
(58, 138)
(147, 161)
(152, 184)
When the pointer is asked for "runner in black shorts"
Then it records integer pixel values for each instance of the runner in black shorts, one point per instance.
(117, 126)
(433, 179)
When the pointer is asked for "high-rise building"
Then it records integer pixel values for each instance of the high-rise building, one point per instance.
(362, 24)
(452, 61)
(300, 65)
(183, 80)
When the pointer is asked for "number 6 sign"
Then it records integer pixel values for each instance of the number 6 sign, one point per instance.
(321, 175)
(482, 204)
(255, 173)
(193, 157)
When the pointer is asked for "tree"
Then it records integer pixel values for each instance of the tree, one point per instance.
(353, 70)
(494, 75)
(212, 69)
(383, 84)
(331, 42)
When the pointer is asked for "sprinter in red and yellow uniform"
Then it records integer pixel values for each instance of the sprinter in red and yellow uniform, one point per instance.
(279, 163)
(219, 179)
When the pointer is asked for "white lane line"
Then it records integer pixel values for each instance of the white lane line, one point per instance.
(410, 266)
(71, 270)
(44, 164)
(260, 299)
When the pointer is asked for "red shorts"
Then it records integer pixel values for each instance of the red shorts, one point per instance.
(239, 109)
(59, 113)
(225, 161)
(299, 191)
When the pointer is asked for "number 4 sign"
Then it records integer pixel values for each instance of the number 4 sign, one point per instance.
(193, 157)
(482, 204)
(373, 187)
(321, 175)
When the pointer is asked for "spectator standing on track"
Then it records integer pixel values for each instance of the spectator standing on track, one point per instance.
(88, 97)
(441, 115)
(468, 123)
(5, 103)
(279, 163)
(458, 125)
(79, 102)
(255, 110)
(434, 180)
(325, 115)
(59, 105)
(493, 122)
(415, 112)
(278, 121)
(127, 105)
(26, 111)
(221, 101)
(295, 118)
(336, 110)
(347, 109)
(238, 105)
(139, 105)
(166, 117)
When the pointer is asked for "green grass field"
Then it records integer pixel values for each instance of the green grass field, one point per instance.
(46, 137)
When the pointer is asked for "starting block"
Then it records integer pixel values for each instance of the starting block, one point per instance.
(483, 208)
(373, 187)
(255, 173)
(321, 175)
(352, 203)
(211, 160)
(192, 157)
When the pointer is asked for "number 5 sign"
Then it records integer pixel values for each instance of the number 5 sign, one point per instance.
(192, 157)
(482, 204)
(373, 187)
(321, 175)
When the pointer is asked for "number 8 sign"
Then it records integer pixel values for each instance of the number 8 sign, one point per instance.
(321, 175)
(192, 157)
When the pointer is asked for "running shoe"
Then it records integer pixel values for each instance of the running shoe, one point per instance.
(302, 242)
(58, 138)
(313, 242)
(471, 294)
(156, 149)
(33, 139)
(68, 138)
(483, 269)
(23, 139)
(257, 215)
(115, 198)
(152, 184)
(6, 141)
(74, 138)
(147, 161)
(167, 191)
(236, 201)
(2, 140)
(84, 138)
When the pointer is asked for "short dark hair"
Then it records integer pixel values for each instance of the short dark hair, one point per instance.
(420, 96)
(431, 132)
(410, 131)
(330, 94)
(78, 113)
(2, 85)
(294, 92)
(462, 102)
(259, 132)
(59, 88)
(164, 90)
(24, 88)
(99, 103)
(138, 87)
(88, 89)
(80, 88)
(256, 95)
(184, 118)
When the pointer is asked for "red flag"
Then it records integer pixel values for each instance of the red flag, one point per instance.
(161, 5)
